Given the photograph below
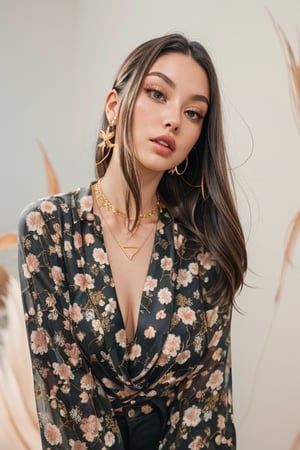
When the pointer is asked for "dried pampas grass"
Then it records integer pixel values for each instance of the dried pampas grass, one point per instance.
(294, 83)
(19, 427)
(9, 240)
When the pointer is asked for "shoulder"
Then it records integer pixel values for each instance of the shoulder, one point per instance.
(60, 207)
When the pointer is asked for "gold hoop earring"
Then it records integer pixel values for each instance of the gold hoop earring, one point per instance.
(175, 169)
(104, 157)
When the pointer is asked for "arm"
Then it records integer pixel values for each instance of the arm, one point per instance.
(73, 412)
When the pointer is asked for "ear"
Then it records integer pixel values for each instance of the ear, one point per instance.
(112, 106)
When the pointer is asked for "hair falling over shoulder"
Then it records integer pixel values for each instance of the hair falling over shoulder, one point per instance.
(202, 200)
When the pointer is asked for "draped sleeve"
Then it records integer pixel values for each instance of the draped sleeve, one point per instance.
(73, 410)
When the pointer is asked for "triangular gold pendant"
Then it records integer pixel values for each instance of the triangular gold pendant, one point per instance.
(129, 251)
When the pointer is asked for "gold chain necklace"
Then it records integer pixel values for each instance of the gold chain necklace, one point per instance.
(108, 205)
(130, 251)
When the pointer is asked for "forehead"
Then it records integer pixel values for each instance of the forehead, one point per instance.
(183, 71)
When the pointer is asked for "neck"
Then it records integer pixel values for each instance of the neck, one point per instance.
(114, 187)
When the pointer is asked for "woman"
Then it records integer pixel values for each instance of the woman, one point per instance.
(128, 285)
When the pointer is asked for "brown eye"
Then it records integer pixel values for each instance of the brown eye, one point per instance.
(194, 115)
(155, 93)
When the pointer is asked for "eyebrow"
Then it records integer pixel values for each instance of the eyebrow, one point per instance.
(196, 97)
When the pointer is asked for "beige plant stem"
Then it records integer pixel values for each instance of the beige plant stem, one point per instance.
(53, 183)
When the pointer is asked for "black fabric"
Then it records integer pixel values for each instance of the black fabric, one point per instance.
(142, 431)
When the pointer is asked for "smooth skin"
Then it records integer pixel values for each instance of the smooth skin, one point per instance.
(167, 121)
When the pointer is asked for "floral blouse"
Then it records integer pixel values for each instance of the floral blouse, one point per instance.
(83, 370)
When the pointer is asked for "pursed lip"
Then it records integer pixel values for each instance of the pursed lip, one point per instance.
(165, 140)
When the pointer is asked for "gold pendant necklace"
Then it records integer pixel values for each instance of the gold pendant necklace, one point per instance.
(108, 205)
(130, 251)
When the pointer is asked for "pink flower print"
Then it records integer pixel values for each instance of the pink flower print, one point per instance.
(86, 203)
(150, 284)
(184, 277)
(77, 240)
(125, 393)
(212, 316)
(109, 383)
(150, 333)
(111, 306)
(178, 241)
(75, 313)
(197, 443)
(50, 300)
(155, 256)
(109, 439)
(135, 352)
(32, 263)
(89, 239)
(174, 419)
(120, 337)
(84, 397)
(172, 345)
(183, 357)
(80, 262)
(84, 281)
(215, 380)
(146, 409)
(67, 246)
(196, 294)
(35, 222)
(63, 371)
(206, 260)
(215, 339)
(57, 275)
(90, 427)
(194, 268)
(221, 440)
(166, 263)
(39, 342)
(191, 416)
(57, 229)
(217, 354)
(47, 207)
(87, 382)
(161, 314)
(73, 352)
(221, 422)
(52, 434)
(77, 445)
(162, 360)
(100, 256)
(187, 315)
(164, 296)
(96, 324)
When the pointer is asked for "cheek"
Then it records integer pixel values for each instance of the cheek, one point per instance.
(193, 136)
(138, 115)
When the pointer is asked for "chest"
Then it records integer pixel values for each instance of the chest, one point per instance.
(129, 266)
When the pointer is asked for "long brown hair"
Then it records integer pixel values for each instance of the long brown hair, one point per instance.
(202, 200)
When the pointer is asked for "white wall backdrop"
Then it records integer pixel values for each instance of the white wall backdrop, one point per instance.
(58, 60)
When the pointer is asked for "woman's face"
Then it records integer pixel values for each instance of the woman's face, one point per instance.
(169, 112)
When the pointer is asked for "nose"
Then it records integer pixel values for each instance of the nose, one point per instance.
(173, 121)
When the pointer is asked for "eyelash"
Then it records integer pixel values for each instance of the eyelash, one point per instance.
(157, 95)
(194, 113)
(152, 93)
